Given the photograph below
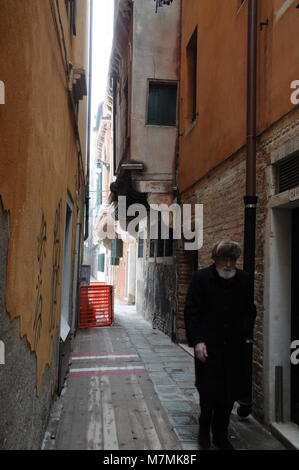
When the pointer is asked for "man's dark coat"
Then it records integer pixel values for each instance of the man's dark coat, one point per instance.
(219, 313)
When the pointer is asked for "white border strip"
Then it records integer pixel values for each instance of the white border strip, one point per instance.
(103, 369)
(90, 358)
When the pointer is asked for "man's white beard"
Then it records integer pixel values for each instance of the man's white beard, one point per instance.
(226, 274)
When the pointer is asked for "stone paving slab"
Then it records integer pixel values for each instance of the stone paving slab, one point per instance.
(178, 380)
(146, 402)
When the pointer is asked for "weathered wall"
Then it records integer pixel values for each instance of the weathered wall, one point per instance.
(221, 194)
(123, 45)
(220, 126)
(156, 288)
(155, 56)
(23, 418)
(212, 150)
(38, 168)
(158, 295)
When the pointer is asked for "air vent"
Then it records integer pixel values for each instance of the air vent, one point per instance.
(288, 173)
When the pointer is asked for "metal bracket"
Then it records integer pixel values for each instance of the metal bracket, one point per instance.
(264, 23)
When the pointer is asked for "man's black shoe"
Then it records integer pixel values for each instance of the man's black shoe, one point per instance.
(222, 443)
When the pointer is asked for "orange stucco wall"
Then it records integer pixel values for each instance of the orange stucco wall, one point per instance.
(220, 127)
(38, 163)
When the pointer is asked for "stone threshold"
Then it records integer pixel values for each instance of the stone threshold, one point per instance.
(287, 433)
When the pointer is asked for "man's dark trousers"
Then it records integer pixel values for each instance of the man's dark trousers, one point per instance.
(215, 413)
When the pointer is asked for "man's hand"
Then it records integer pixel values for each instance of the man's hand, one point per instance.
(200, 351)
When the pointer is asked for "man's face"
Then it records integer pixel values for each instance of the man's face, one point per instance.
(226, 263)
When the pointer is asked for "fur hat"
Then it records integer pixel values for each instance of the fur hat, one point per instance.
(226, 249)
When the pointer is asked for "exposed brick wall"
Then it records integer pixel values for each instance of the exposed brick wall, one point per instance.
(185, 269)
(222, 192)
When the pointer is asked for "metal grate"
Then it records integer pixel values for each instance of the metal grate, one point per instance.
(288, 174)
(96, 305)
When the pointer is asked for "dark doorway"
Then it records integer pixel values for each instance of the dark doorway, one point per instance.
(295, 315)
(65, 328)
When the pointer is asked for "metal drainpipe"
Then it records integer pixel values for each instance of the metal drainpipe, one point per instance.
(114, 85)
(250, 200)
(176, 181)
(86, 234)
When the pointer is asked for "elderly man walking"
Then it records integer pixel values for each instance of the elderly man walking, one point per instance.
(219, 319)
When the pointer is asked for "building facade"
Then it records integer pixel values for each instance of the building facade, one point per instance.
(144, 75)
(212, 171)
(43, 133)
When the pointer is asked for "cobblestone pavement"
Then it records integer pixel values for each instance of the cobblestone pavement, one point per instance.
(130, 387)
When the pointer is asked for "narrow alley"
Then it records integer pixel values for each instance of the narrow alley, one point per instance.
(131, 388)
(149, 214)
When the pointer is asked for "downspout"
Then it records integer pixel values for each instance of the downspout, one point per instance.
(250, 200)
(176, 176)
(76, 276)
(114, 85)
(86, 234)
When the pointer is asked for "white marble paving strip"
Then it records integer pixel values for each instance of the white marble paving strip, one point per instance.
(103, 369)
(110, 439)
(94, 431)
(89, 358)
(149, 428)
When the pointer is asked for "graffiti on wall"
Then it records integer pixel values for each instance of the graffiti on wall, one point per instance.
(41, 254)
(55, 268)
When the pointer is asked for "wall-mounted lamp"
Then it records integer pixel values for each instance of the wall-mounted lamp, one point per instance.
(102, 163)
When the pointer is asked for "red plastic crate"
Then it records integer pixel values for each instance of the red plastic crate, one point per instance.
(96, 305)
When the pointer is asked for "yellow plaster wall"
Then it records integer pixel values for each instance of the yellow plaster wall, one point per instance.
(38, 166)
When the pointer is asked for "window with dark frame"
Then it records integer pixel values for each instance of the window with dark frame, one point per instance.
(152, 248)
(162, 103)
(71, 11)
(192, 76)
(168, 245)
(140, 247)
(161, 248)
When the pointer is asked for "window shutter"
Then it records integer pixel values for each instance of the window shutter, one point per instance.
(162, 104)
(101, 262)
(99, 190)
(117, 248)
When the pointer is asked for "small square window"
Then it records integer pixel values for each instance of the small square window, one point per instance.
(162, 104)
